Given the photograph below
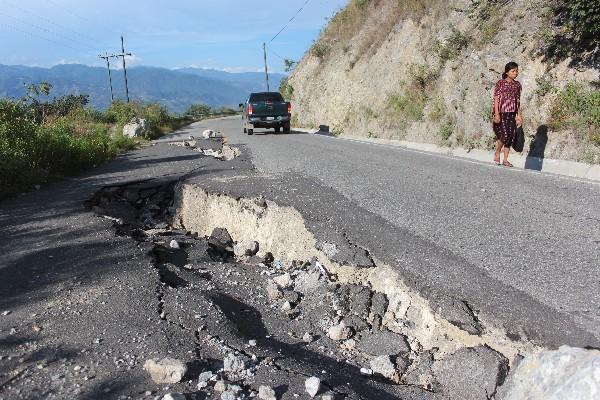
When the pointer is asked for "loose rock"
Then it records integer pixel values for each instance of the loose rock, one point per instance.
(266, 393)
(233, 363)
(383, 343)
(245, 248)
(340, 332)
(566, 373)
(283, 281)
(384, 366)
(173, 244)
(173, 396)
(471, 372)
(312, 386)
(167, 370)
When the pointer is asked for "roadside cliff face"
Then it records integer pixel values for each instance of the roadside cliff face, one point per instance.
(424, 71)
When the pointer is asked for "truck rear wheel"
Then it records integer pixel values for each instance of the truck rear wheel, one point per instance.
(277, 129)
(286, 127)
(244, 130)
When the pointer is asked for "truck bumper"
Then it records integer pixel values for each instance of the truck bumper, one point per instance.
(261, 122)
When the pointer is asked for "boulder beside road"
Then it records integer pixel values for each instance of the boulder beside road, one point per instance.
(135, 127)
(568, 373)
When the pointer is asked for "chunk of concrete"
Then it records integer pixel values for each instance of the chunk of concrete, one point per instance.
(383, 365)
(471, 373)
(383, 343)
(458, 313)
(568, 373)
(167, 370)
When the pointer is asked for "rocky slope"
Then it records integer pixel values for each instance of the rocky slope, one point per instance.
(424, 71)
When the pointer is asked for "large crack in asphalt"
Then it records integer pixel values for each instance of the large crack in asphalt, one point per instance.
(245, 277)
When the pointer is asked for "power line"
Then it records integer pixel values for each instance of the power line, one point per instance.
(37, 35)
(68, 10)
(49, 21)
(290, 21)
(82, 44)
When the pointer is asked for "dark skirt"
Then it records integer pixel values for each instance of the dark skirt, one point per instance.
(505, 130)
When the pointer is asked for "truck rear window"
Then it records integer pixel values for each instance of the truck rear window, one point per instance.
(267, 96)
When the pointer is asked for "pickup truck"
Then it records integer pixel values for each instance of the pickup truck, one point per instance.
(266, 110)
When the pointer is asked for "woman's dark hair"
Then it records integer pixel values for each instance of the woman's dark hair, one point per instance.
(508, 67)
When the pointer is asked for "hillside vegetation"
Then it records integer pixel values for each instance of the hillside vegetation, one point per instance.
(424, 71)
(43, 139)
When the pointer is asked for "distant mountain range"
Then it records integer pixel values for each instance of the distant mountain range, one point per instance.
(176, 89)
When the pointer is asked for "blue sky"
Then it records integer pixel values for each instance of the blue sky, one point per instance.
(221, 34)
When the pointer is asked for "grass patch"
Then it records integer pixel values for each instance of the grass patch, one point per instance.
(446, 130)
(544, 85)
(577, 108)
(409, 105)
(453, 46)
(32, 152)
(320, 50)
(490, 19)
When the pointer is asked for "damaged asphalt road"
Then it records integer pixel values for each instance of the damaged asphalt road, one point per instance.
(116, 286)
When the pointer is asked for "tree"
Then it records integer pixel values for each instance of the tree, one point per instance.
(199, 110)
(289, 64)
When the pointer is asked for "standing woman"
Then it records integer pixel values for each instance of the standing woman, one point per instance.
(506, 109)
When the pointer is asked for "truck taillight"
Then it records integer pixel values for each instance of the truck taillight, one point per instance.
(289, 108)
(250, 109)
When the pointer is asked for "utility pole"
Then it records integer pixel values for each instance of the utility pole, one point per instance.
(123, 54)
(266, 69)
(106, 57)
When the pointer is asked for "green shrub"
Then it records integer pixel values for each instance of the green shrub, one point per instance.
(320, 50)
(577, 107)
(446, 130)
(544, 85)
(33, 152)
(453, 46)
(286, 89)
(408, 105)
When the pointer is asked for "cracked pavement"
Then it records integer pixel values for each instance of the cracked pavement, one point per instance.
(89, 302)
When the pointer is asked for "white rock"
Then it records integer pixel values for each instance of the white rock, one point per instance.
(266, 393)
(328, 396)
(228, 395)
(286, 306)
(273, 291)
(173, 396)
(245, 248)
(203, 379)
(208, 133)
(366, 371)
(252, 343)
(233, 363)
(308, 338)
(5, 313)
(220, 386)
(312, 386)
(563, 374)
(167, 370)
(135, 127)
(384, 366)
(339, 332)
(174, 244)
(283, 281)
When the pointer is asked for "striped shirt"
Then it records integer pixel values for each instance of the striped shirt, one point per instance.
(508, 94)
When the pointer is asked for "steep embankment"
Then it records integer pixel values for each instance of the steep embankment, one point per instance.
(424, 71)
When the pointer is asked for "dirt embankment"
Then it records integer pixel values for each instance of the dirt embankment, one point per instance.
(424, 71)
